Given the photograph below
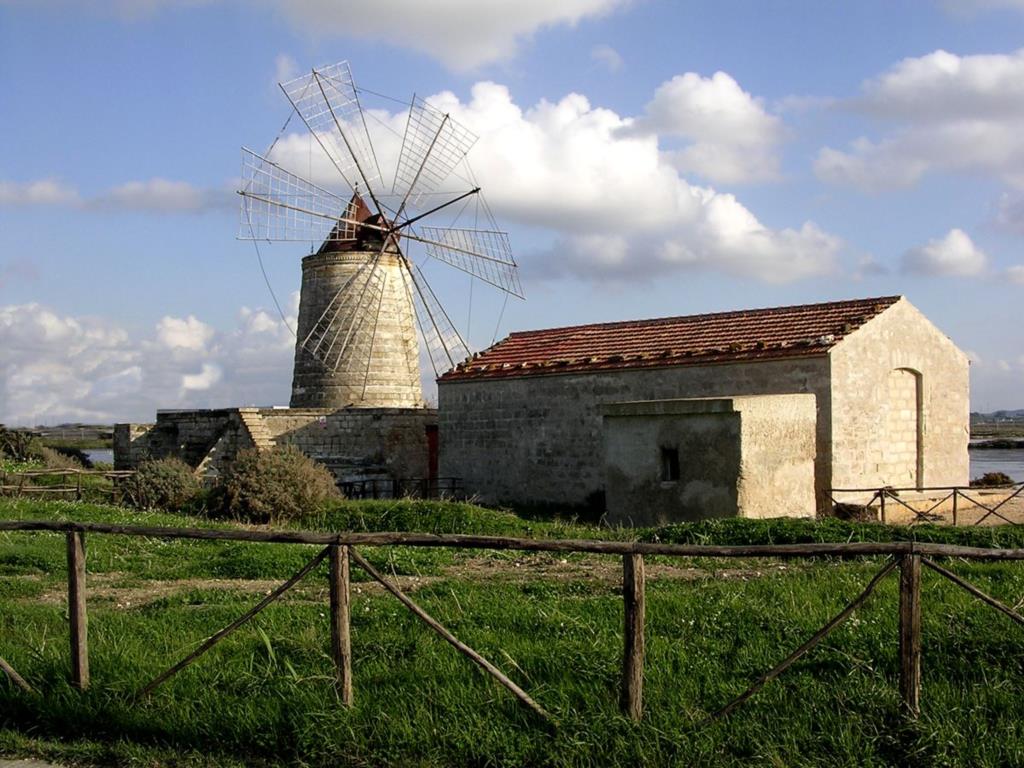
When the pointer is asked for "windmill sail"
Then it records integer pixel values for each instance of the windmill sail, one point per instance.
(327, 101)
(362, 298)
(485, 254)
(433, 145)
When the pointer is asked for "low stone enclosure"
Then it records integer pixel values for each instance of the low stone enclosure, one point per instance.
(358, 445)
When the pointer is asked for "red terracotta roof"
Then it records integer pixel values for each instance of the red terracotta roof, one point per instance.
(723, 337)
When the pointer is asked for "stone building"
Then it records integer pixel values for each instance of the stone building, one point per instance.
(686, 417)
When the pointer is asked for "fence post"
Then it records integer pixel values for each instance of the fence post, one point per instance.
(955, 494)
(633, 588)
(881, 497)
(77, 619)
(341, 641)
(910, 633)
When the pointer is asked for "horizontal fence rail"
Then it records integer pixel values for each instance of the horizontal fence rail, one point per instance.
(27, 483)
(933, 497)
(340, 551)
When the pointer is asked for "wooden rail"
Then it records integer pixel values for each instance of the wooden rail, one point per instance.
(951, 493)
(20, 483)
(339, 549)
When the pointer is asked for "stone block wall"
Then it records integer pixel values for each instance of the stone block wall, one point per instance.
(671, 461)
(538, 439)
(355, 443)
(901, 401)
(358, 442)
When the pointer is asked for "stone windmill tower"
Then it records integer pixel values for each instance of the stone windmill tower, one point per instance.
(363, 298)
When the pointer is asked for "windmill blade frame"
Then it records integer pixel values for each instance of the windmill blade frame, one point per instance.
(483, 253)
(327, 101)
(433, 146)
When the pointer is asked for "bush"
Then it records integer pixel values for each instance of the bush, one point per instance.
(53, 459)
(991, 480)
(162, 484)
(273, 486)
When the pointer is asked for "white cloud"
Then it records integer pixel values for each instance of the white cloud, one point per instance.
(285, 69)
(462, 34)
(56, 368)
(731, 138)
(949, 113)
(40, 192)
(607, 56)
(1015, 274)
(587, 174)
(158, 195)
(153, 196)
(187, 333)
(209, 375)
(953, 255)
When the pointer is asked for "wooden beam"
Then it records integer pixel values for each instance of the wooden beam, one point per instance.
(459, 541)
(341, 641)
(633, 588)
(975, 591)
(78, 619)
(14, 677)
(816, 638)
(460, 646)
(910, 634)
(216, 638)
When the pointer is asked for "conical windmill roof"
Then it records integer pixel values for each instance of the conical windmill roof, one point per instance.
(345, 236)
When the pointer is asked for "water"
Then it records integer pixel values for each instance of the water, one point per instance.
(1009, 461)
(100, 454)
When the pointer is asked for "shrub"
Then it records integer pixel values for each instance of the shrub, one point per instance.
(271, 486)
(162, 484)
(991, 480)
(54, 459)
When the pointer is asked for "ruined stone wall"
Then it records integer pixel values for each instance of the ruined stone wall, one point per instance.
(130, 444)
(354, 443)
(187, 435)
(357, 441)
(538, 439)
(876, 373)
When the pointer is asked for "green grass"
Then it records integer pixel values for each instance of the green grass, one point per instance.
(265, 695)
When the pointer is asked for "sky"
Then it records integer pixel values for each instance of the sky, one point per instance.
(647, 158)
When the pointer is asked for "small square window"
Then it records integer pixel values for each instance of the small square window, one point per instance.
(669, 465)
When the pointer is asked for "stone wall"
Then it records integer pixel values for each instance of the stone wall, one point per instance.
(358, 442)
(187, 435)
(538, 439)
(879, 419)
(705, 438)
(672, 461)
(355, 443)
(777, 456)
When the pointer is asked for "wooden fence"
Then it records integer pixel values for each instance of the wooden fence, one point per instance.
(64, 483)
(340, 549)
(933, 498)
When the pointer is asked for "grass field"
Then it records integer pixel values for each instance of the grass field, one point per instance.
(553, 623)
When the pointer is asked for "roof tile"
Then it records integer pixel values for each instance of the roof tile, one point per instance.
(754, 334)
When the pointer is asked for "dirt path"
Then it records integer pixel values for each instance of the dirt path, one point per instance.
(124, 592)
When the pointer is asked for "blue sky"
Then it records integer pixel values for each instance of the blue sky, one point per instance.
(648, 158)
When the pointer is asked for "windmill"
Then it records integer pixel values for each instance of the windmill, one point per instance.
(363, 296)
